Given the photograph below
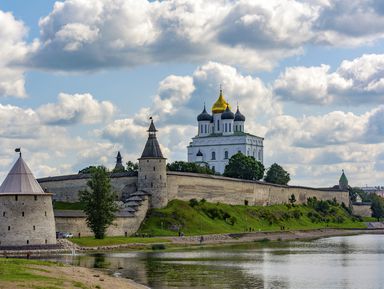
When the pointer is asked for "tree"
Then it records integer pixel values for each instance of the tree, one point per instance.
(99, 205)
(180, 166)
(292, 200)
(244, 167)
(277, 175)
(88, 170)
(132, 167)
(377, 206)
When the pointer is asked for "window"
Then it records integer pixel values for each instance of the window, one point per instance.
(9, 228)
(35, 198)
(27, 242)
(154, 168)
(45, 213)
(226, 155)
(213, 155)
(230, 127)
(160, 177)
(3, 214)
(46, 241)
(218, 125)
(145, 177)
(16, 197)
(151, 185)
(226, 127)
(259, 155)
(206, 128)
(34, 227)
(201, 128)
(22, 214)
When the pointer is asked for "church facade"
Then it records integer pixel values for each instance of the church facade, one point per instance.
(221, 135)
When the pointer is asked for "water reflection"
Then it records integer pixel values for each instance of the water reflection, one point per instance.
(339, 262)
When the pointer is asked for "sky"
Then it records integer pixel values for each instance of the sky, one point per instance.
(79, 80)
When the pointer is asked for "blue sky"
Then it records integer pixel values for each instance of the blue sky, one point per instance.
(79, 79)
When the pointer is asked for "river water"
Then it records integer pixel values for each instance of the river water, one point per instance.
(353, 262)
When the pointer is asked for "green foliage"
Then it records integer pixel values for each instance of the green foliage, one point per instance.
(180, 166)
(132, 167)
(377, 206)
(99, 205)
(292, 199)
(57, 205)
(115, 240)
(208, 218)
(244, 167)
(193, 202)
(277, 175)
(88, 170)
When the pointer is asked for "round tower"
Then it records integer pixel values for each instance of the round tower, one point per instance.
(239, 121)
(152, 175)
(217, 109)
(25, 210)
(204, 120)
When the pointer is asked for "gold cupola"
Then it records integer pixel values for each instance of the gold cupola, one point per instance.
(220, 105)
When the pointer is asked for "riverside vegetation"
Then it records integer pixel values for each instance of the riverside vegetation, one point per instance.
(201, 217)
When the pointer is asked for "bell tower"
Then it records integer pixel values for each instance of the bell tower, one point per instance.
(152, 175)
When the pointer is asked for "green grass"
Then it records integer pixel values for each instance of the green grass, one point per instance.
(18, 270)
(196, 220)
(67, 206)
(109, 241)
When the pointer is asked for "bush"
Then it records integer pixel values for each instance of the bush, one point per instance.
(158, 247)
(193, 203)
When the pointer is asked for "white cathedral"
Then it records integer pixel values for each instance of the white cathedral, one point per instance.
(221, 135)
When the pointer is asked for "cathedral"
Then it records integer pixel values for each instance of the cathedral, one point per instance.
(221, 135)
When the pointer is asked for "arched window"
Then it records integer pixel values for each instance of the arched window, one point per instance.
(259, 155)
(230, 128)
(213, 155)
(218, 125)
(226, 155)
(201, 128)
(226, 127)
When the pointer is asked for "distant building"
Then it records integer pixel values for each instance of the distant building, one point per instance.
(25, 210)
(343, 182)
(221, 135)
(119, 163)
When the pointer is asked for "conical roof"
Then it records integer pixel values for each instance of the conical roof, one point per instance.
(152, 147)
(20, 180)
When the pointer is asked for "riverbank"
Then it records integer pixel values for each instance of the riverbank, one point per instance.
(22, 273)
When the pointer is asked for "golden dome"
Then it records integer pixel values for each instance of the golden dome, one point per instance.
(220, 105)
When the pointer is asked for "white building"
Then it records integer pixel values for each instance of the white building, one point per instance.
(221, 135)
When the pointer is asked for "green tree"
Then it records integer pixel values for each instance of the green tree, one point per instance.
(132, 167)
(88, 170)
(244, 167)
(180, 166)
(377, 206)
(277, 175)
(292, 200)
(98, 203)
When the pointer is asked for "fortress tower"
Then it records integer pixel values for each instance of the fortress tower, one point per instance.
(152, 175)
(25, 210)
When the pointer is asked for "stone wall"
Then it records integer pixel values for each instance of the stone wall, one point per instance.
(75, 223)
(26, 220)
(362, 209)
(66, 188)
(185, 186)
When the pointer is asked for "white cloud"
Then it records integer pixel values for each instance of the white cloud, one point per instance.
(12, 52)
(354, 82)
(77, 108)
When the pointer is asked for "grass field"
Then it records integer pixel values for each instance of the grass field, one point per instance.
(22, 273)
(209, 218)
(109, 241)
(67, 206)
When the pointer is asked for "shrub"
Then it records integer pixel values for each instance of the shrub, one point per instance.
(193, 203)
(158, 247)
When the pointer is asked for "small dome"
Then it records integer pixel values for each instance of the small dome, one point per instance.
(227, 114)
(220, 104)
(204, 116)
(239, 116)
(199, 154)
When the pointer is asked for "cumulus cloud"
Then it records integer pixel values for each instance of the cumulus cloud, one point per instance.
(13, 50)
(77, 108)
(80, 35)
(356, 81)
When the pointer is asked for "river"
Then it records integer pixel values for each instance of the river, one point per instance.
(353, 262)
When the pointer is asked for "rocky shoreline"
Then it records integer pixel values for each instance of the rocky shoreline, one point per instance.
(67, 247)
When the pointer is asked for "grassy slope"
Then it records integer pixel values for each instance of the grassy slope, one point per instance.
(109, 241)
(57, 205)
(22, 273)
(194, 221)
